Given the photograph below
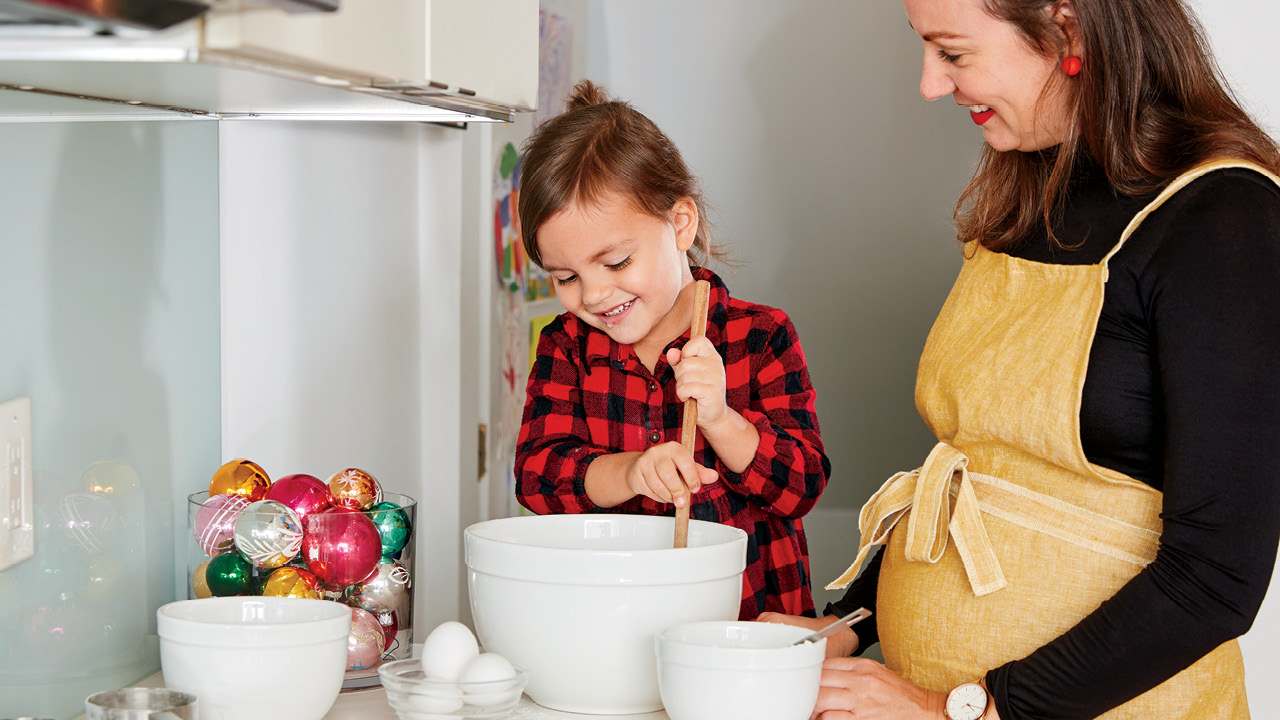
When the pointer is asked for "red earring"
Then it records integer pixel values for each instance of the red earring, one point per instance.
(1071, 65)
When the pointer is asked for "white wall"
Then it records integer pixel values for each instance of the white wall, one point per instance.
(341, 275)
(834, 181)
(1242, 34)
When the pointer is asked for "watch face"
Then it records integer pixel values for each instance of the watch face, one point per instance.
(967, 702)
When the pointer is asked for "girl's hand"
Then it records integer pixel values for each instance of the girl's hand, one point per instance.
(700, 375)
(667, 473)
(841, 643)
(867, 690)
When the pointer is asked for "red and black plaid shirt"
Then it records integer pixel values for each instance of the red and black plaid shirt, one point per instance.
(590, 396)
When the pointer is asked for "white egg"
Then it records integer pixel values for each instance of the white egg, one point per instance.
(489, 668)
(447, 650)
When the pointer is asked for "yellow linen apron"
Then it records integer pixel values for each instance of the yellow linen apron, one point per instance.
(1040, 536)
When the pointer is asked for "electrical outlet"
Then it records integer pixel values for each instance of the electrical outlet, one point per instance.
(17, 527)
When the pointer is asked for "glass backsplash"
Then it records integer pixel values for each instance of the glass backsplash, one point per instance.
(109, 323)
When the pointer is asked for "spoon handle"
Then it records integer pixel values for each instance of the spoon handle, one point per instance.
(847, 621)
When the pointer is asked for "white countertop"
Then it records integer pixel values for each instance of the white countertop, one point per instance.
(371, 704)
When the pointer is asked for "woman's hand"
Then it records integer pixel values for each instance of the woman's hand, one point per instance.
(866, 690)
(667, 473)
(700, 375)
(841, 643)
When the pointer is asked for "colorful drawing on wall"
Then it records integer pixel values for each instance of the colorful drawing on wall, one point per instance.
(514, 372)
(515, 273)
(535, 331)
(555, 65)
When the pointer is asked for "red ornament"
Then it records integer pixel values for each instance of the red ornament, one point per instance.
(1071, 65)
(306, 494)
(341, 546)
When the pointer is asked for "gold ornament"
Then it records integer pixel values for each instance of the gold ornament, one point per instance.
(355, 489)
(199, 583)
(240, 477)
(292, 582)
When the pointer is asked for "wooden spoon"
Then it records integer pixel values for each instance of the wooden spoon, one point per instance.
(689, 430)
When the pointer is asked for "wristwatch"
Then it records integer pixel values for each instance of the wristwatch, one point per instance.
(968, 701)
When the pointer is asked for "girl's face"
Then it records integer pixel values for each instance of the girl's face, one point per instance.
(986, 65)
(620, 269)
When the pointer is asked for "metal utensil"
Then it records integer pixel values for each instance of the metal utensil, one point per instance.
(847, 621)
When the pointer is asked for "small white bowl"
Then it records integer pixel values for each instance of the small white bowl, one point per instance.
(740, 670)
(255, 658)
(414, 696)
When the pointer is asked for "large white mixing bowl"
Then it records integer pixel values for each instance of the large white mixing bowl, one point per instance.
(255, 658)
(578, 599)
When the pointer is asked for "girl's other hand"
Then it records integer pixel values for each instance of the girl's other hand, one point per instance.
(667, 473)
(700, 375)
(841, 643)
(867, 690)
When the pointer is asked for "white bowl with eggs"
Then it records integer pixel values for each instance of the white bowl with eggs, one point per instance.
(451, 678)
(578, 599)
(255, 658)
(739, 670)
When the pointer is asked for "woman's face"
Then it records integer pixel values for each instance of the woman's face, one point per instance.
(987, 66)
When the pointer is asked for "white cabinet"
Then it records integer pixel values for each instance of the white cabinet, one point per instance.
(485, 48)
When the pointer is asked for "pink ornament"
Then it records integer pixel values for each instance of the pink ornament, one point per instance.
(364, 644)
(341, 546)
(388, 619)
(215, 523)
(306, 494)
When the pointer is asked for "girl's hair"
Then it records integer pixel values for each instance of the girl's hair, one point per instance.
(600, 146)
(1149, 104)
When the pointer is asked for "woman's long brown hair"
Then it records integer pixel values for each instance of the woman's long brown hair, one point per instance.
(1149, 104)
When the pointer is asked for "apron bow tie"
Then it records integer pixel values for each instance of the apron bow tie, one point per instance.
(924, 496)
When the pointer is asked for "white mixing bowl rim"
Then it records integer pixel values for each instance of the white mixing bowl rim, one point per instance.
(506, 558)
(692, 645)
(183, 622)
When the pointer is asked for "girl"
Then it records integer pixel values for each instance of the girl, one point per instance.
(610, 211)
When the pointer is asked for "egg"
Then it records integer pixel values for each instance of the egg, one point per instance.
(488, 668)
(447, 650)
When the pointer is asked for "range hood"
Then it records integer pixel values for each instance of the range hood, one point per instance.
(290, 59)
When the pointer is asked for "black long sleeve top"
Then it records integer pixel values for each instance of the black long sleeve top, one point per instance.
(1182, 393)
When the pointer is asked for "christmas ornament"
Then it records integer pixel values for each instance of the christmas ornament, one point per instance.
(268, 533)
(393, 526)
(364, 644)
(292, 582)
(306, 494)
(215, 523)
(229, 574)
(199, 583)
(341, 546)
(355, 489)
(240, 477)
(387, 585)
(386, 617)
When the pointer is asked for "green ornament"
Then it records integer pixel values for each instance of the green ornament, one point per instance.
(229, 574)
(393, 526)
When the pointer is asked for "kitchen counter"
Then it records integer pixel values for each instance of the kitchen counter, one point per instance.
(371, 704)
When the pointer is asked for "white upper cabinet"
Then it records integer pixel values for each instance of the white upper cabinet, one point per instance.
(482, 48)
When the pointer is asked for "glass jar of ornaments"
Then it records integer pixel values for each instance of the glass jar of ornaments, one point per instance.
(341, 539)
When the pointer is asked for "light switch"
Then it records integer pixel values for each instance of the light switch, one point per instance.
(17, 527)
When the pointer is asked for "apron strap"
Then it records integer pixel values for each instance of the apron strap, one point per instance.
(1178, 183)
(924, 497)
(928, 492)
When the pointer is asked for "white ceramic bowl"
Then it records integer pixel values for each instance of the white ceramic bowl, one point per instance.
(577, 599)
(414, 696)
(739, 670)
(255, 658)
